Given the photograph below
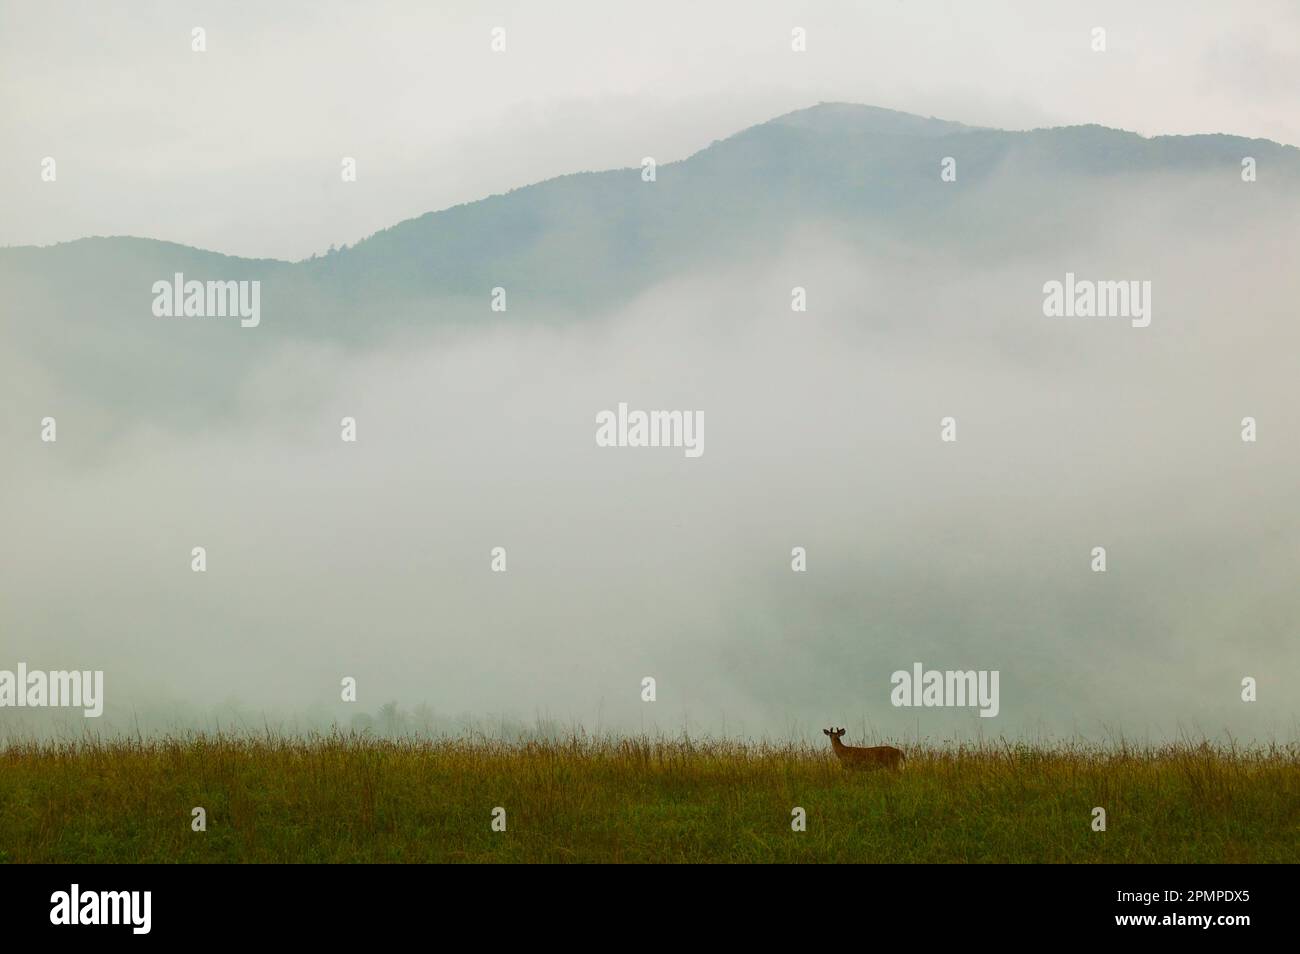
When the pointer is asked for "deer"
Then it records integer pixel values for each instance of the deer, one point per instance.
(854, 757)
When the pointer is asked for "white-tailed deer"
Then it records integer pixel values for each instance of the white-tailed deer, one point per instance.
(853, 757)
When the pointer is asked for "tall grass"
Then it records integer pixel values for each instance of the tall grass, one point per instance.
(343, 798)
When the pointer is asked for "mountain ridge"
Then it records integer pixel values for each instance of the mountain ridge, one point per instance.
(766, 204)
(824, 119)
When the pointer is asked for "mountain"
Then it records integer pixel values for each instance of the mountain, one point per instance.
(580, 244)
(825, 439)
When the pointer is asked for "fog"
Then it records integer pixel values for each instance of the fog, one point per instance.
(372, 559)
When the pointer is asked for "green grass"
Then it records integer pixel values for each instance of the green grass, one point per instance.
(347, 798)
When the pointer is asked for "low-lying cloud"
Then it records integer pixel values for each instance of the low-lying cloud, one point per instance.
(372, 559)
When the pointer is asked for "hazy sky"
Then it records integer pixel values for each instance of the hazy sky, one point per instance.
(238, 149)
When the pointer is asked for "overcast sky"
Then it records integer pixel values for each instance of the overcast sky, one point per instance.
(238, 149)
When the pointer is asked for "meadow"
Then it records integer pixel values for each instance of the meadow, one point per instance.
(354, 798)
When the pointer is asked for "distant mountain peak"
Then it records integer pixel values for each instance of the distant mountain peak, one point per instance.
(856, 117)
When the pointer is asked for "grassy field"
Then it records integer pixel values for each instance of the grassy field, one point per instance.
(341, 799)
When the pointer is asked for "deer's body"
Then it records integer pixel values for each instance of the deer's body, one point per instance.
(853, 757)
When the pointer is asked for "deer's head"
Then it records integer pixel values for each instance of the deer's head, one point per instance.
(834, 733)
